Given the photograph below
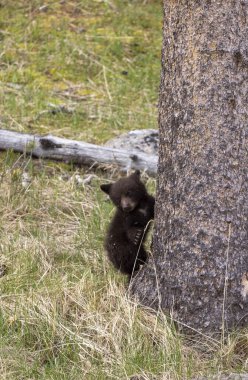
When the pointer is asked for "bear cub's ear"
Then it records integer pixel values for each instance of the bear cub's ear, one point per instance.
(106, 188)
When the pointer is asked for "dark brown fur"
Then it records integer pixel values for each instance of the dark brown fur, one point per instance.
(126, 233)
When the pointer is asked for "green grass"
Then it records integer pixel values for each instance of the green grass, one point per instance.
(92, 55)
(65, 313)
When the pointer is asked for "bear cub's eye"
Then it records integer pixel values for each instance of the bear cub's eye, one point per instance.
(129, 193)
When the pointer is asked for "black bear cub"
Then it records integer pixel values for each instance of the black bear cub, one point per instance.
(127, 230)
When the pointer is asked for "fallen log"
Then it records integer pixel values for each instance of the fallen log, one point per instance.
(78, 152)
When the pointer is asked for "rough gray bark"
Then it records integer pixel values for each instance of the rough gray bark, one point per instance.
(199, 269)
(79, 152)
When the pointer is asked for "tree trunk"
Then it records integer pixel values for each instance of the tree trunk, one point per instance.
(199, 270)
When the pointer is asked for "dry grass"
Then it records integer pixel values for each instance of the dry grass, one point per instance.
(65, 313)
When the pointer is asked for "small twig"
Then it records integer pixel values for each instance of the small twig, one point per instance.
(55, 109)
(68, 94)
(141, 241)
(106, 83)
(225, 285)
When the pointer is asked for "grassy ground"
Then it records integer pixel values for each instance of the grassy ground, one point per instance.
(64, 312)
(100, 58)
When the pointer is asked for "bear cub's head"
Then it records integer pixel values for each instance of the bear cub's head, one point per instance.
(126, 193)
